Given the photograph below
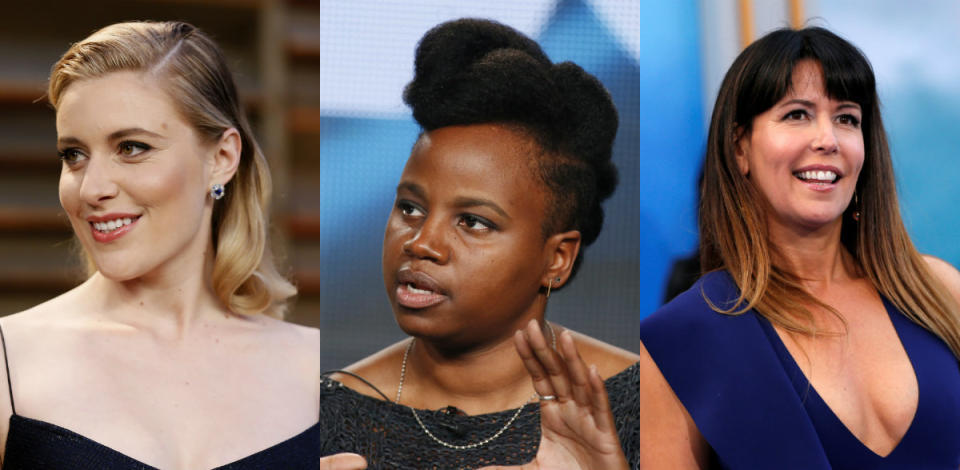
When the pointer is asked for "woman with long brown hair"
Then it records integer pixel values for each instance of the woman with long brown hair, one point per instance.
(819, 337)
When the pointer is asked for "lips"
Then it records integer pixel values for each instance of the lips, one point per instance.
(819, 177)
(109, 227)
(417, 290)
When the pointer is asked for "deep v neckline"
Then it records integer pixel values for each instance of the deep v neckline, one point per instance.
(811, 398)
(132, 462)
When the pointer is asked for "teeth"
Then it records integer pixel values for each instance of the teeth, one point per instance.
(812, 175)
(112, 225)
(417, 291)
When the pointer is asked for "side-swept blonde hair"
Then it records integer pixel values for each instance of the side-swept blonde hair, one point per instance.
(197, 79)
(733, 229)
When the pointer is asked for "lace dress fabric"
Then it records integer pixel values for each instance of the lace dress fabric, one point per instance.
(388, 436)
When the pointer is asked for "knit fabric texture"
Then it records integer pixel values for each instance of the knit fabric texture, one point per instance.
(389, 437)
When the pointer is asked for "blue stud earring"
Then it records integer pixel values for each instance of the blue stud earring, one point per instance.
(217, 191)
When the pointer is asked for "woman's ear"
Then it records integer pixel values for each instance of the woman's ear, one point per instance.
(561, 250)
(741, 148)
(226, 157)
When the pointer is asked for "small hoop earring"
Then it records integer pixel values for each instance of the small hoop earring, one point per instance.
(217, 191)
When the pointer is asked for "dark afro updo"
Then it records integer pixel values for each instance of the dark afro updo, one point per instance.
(473, 71)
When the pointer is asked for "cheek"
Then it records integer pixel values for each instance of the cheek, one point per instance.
(775, 153)
(69, 191)
(856, 152)
(396, 233)
(177, 190)
(512, 266)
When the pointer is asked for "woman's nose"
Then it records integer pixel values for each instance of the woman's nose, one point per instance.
(429, 242)
(97, 181)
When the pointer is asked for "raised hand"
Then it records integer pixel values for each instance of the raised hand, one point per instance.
(344, 461)
(577, 426)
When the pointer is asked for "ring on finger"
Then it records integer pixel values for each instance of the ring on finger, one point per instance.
(547, 397)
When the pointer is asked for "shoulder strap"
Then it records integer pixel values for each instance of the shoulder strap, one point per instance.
(351, 374)
(728, 377)
(6, 366)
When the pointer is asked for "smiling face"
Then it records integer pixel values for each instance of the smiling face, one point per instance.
(464, 254)
(134, 177)
(804, 154)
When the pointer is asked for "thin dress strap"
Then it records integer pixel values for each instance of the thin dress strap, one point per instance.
(367, 382)
(6, 366)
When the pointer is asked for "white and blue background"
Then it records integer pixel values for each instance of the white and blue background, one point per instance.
(662, 62)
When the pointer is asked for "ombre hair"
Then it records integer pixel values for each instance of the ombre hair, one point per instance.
(733, 231)
(196, 77)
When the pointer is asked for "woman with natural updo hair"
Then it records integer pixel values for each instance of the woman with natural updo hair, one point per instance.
(499, 197)
(172, 354)
(819, 337)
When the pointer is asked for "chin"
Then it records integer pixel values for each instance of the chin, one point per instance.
(118, 271)
(821, 221)
(414, 323)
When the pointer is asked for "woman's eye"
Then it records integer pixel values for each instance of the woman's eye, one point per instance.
(849, 120)
(795, 115)
(130, 149)
(409, 209)
(473, 222)
(70, 156)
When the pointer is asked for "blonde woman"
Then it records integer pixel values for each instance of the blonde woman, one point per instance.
(173, 353)
(819, 337)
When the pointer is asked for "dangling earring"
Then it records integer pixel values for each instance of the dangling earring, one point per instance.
(856, 208)
(550, 286)
(217, 191)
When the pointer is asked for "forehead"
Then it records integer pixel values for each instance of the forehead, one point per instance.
(808, 81)
(806, 78)
(490, 159)
(116, 100)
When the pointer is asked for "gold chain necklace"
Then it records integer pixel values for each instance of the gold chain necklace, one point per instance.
(403, 374)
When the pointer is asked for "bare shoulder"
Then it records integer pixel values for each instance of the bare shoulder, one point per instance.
(947, 274)
(55, 311)
(18, 329)
(286, 331)
(609, 359)
(295, 346)
(669, 438)
(381, 369)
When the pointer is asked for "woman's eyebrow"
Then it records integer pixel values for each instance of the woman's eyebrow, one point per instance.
(120, 134)
(464, 202)
(132, 131)
(414, 188)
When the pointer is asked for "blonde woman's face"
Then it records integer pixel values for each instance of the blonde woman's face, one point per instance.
(135, 177)
(804, 154)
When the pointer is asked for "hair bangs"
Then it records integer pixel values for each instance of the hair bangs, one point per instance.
(847, 74)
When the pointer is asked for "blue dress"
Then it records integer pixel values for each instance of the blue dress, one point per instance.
(755, 408)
